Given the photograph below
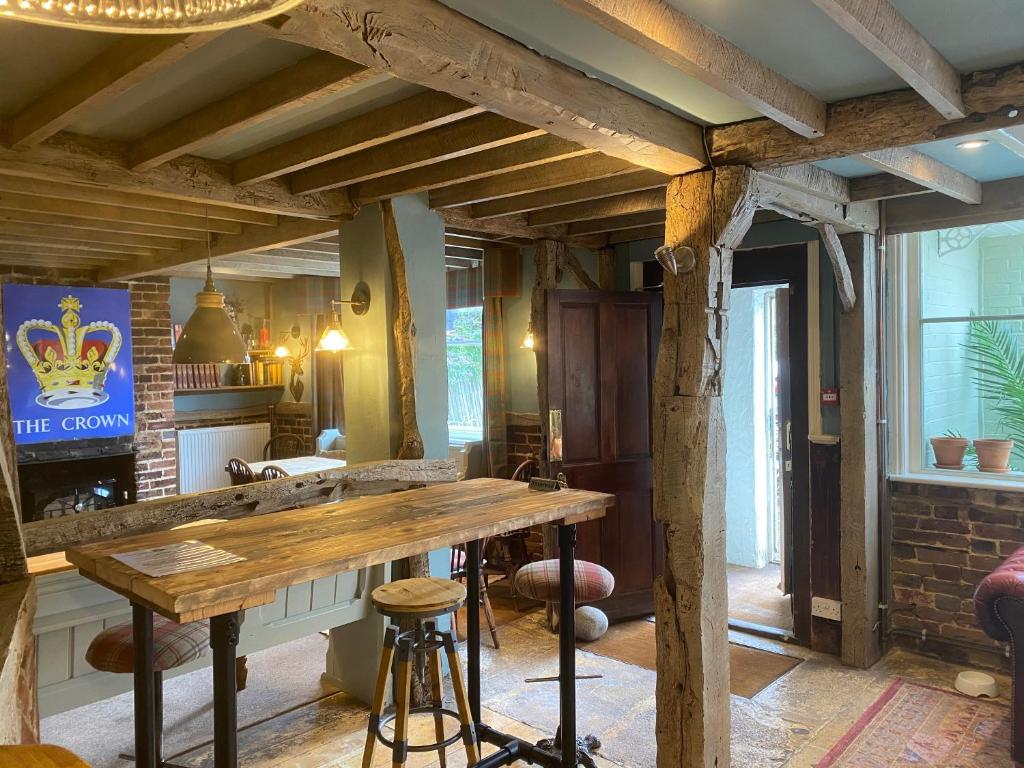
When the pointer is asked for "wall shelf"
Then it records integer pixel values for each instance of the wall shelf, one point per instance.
(244, 388)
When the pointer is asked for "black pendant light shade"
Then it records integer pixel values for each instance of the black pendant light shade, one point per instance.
(210, 336)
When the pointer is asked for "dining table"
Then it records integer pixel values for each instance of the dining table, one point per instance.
(218, 571)
(299, 465)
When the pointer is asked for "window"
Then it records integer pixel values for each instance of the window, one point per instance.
(956, 346)
(464, 333)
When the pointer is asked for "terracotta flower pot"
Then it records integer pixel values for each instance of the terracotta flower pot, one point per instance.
(949, 452)
(993, 455)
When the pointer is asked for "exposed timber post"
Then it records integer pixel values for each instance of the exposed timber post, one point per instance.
(548, 257)
(404, 327)
(606, 268)
(709, 211)
(858, 410)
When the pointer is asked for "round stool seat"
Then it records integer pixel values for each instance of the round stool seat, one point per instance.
(539, 581)
(420, 597)
(38, 756)
(112, 650)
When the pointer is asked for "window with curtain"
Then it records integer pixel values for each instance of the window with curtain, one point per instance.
(464, 336)
(956, 348)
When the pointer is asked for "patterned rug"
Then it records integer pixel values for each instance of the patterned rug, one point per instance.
(913, 725)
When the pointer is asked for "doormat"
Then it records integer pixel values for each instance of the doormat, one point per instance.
(751, 670)
(917, 725)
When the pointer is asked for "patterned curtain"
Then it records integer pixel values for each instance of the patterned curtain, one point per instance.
(495, 428)
(330, 387)
(465, 287)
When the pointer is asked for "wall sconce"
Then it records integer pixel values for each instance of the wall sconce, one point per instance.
(528, 340)
(334, 339)
(677, 258)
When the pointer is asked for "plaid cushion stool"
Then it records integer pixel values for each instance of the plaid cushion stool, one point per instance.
(539, 581)
(174, 645)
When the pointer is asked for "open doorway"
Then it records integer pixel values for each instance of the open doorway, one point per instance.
(755, 399)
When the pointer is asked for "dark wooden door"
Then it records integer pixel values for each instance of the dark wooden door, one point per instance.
(784, 431)
(774, 266)
(601, 354)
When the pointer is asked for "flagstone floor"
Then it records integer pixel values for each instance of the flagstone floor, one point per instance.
(791, 723)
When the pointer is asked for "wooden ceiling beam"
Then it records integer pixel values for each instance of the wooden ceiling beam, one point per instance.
(421, 112)
(993, 99)
(426, 42)
(241, 272)
(1002, 200)
(47, 220)
(515, 226)
(467, 242)
(251, 240)
(59, 234)
(818, 181)
(479, 165)
(701, 53)
(771, 193)
(605, 207)
(1010, 141)
(921, 169)
(557, 174)
(652, 232)
(134, 207)
(840, 266)
(884, 31)
(634, 181)
(319, 76)
(474, 134)
(186, 226)
(114, 71)
(617, 223)
(32, 249)
(42, 241)
(99, 163)
(882, 186)
(282, 258)
(465, 253)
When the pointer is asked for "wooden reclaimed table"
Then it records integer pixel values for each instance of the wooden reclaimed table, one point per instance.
(293, 547)
(299, 465)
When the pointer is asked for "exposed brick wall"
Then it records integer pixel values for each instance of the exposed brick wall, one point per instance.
(945, 540)
(154, 443)
(227, 418)
(156, 452)
(295, 419)
(524, 437)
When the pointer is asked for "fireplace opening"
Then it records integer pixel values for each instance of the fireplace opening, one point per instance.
(53, 489)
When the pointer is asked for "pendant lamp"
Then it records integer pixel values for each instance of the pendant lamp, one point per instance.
(210, 335)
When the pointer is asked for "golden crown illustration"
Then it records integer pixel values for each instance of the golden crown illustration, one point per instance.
(70, 362)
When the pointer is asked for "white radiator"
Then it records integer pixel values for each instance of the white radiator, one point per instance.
(203, 453)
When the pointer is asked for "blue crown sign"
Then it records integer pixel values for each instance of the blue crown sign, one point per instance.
(69, 362)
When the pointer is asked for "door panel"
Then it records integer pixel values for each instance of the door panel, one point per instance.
(600, 369)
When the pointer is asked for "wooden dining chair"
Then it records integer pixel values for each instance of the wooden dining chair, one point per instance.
(240, 471)
(284, 446)
(459, 571)
(273, 472)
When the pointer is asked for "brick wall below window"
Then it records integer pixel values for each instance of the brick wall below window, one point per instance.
(524, 437)
(944, 541)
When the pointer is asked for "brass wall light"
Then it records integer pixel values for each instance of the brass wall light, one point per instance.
(334, 338)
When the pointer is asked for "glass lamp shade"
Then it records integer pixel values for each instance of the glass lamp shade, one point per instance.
(527, 340)
(210, 336)
(334, 339)
(144, 16)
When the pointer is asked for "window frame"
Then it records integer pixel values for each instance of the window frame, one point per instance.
(904, 325)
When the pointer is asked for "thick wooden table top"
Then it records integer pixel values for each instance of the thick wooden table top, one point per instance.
(286, 548)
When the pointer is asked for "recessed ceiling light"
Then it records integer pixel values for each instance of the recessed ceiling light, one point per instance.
(972, 144)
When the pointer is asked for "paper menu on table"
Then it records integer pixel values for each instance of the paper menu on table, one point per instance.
(178, 557)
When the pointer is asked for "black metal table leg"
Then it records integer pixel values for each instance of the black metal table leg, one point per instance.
(473, 627)
(145, 688)
(223, 641)
(567, 643)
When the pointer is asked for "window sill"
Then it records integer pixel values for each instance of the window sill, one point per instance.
(964, 478)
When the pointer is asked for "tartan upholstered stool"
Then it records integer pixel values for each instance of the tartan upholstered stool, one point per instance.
(539, 581)
(38, 756)
(420, 601)
(174, 645)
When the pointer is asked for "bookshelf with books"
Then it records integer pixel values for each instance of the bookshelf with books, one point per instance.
(262, 372)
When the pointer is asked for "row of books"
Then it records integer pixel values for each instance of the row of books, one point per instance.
(197, 376)
(266, 372)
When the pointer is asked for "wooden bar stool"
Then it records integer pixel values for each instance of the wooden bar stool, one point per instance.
(38, 756)
(420, 601)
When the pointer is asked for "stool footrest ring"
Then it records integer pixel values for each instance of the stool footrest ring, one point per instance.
(422, 710)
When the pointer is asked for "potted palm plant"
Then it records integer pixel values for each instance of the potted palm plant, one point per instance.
(998, 365)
